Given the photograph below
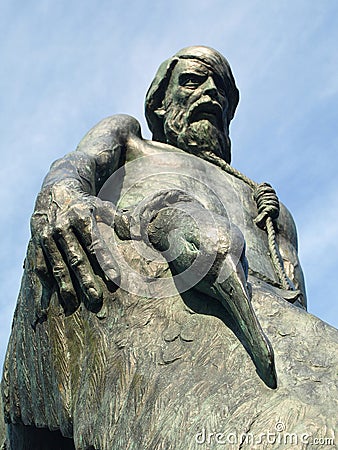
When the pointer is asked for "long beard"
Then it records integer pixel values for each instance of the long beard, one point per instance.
(196, 137)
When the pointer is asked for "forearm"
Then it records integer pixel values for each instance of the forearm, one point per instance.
(97, 156)
(69, 247)
(75, 169)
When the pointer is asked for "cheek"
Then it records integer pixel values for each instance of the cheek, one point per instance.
(225, 105)
(174, 117)
(184, 97)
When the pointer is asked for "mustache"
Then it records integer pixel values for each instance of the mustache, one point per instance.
(208, 109)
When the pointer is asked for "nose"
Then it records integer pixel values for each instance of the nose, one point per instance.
(210, 87)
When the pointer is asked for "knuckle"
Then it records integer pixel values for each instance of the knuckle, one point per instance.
(44, 238)
(73, 208)
(61, 220)
(79, 218)
(57, 230)
(38, 221)
(58, 271)
(88, 282)
(76, 260)
(84, 219)
(39, 265)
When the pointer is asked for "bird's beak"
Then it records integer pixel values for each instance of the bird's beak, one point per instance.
(234, 295)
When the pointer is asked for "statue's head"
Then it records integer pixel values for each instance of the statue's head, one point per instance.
(192, 100)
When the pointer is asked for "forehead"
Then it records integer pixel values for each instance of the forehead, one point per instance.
(191, 65)
(186, 66)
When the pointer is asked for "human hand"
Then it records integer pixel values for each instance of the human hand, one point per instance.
(69, 251)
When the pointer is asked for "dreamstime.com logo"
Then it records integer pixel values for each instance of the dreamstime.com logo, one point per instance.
(277, 437)
(186, 185)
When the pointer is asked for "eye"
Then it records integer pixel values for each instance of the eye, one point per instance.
(191, 80)
(220, 85)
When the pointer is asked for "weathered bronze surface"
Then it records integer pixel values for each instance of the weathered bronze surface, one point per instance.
(163, 304)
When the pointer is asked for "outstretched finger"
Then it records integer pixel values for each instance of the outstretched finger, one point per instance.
(39, 264)
(60, 272)
(43, 272)
(81, 267)
(98, 252)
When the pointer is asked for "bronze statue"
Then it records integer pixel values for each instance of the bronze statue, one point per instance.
(162, 289)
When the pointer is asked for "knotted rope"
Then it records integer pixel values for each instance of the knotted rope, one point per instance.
(268, 210)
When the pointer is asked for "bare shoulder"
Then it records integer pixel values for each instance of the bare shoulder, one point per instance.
(110, 133)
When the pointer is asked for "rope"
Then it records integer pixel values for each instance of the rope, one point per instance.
(268, 210)
(275, 256)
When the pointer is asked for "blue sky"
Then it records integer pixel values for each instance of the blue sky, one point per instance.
(68, 64)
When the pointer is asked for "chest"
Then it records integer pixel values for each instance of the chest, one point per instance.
(154, 168)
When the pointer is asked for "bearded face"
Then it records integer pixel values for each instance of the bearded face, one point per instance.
(196, 137)
(194, 110)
